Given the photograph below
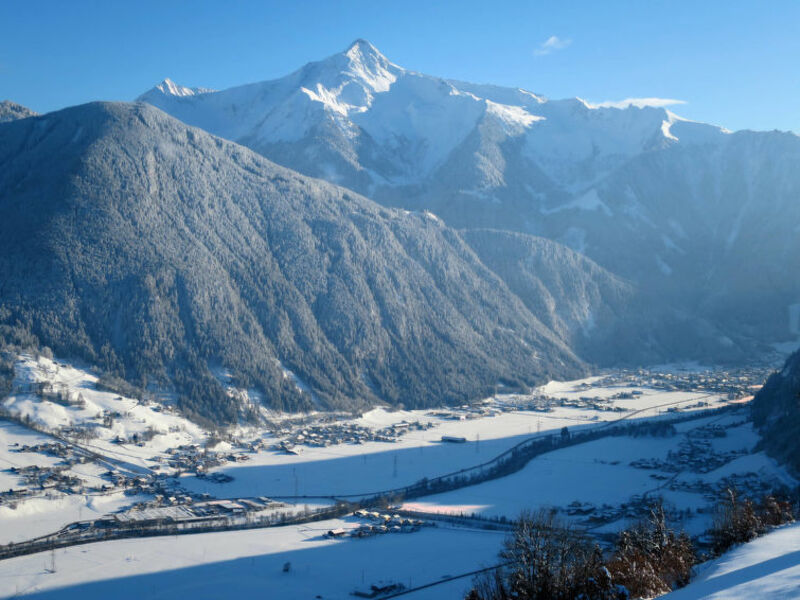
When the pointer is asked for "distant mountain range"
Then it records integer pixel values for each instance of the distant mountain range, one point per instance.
(467, 237)
(704, 219)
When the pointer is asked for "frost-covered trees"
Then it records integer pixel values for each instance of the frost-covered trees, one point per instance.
(546, 559)
(739, 520)
(650, 558)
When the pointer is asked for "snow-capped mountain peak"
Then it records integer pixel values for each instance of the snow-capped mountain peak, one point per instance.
(347, 82)
(169, 88)
(360, 120)
(370, 66)
(363, 51)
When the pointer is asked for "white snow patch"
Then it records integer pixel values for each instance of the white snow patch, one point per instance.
(88, 405)
(512, 115)
(298, 382)
(588, 201)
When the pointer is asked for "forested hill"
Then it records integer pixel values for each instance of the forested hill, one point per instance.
(165, 254)
(776, 411)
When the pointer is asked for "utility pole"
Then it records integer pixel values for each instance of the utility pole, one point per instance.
(394, 473)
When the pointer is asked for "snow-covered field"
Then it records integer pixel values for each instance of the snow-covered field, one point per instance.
(11, 436)
(45, 515)
(599, 472)
(50, 509)
(375, 466)
(768, 567)
(371, 467)
(208, 565)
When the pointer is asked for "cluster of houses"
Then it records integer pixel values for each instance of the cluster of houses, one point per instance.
(334, 433)
(58, 393)
(467, 412)
(193, 458)
(10, 497)
(699, 456)
(132, 485)
(749, 485)
(379, 590)
(181, 513)
(379, 524)
(56, 449)
(709, 431)
(184, 508)
(36, 479)
(695, 455)
(635, 508)
(734, 384)
(544, 403)
(43, 478)
(731, 384)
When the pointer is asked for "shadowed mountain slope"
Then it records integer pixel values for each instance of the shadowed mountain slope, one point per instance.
(165, 254)
(776, 411)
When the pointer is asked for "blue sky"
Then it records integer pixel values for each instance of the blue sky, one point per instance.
(733, 63)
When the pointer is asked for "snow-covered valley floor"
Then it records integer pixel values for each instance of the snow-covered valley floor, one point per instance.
(250, 564)
(145, 454)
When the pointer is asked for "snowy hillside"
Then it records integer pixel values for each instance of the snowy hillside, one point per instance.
(69, 400)
(768, 567)
(11, 111)
(697, 215)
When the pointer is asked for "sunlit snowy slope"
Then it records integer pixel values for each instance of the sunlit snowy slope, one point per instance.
(768, 567)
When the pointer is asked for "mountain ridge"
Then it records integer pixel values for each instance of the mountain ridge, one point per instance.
(653, 198)
(158, 251)
(11, 111)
